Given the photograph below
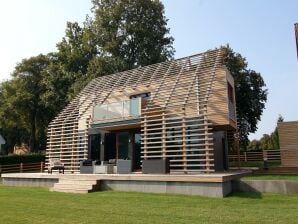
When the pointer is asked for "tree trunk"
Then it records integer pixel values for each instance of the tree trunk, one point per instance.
(33, 132)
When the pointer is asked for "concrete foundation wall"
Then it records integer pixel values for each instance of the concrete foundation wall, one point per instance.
(266, 186)
(29, 182)
(186, 188)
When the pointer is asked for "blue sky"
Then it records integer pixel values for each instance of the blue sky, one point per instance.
(262, 31)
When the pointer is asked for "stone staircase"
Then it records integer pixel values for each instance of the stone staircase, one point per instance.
(76, 185)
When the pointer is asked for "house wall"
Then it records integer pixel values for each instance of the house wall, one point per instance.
(217, 103)
(288, 140)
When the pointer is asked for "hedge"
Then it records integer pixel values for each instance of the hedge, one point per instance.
(15, 159)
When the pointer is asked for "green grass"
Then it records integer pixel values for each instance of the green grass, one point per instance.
(292, 177)
(38, 205)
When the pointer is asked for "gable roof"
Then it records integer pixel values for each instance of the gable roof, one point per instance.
(99, 89)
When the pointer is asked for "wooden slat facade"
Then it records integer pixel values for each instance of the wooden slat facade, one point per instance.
(188, 98)
(288, 140)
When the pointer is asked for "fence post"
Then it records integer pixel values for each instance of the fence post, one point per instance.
(245, 157)
(21, 167)
(41, 166)
(0, 169)
(265, 156)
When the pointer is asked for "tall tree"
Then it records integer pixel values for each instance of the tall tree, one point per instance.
(22, 107)
(274, 135)
(266, 142)
(75, 51)
(121, 35)
(250, 92)
(134, 31)
(254, 145)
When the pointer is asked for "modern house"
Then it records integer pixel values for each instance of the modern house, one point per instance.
(181, 111)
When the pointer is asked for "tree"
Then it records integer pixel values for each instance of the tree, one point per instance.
(23, 112)
(133, 31)
(70, 63)
(250, 94)
(275, 136)
(122, 35)
(267, 142)
(254, 145)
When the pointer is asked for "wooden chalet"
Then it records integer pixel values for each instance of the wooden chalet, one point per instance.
(182, 111)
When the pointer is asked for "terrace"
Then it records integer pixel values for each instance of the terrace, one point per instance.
(212, 185)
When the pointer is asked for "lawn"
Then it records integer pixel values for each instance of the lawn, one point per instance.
(38, 205)
(291, 177)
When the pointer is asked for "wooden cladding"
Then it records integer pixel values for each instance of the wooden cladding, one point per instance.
(288, 140)
(188, 97)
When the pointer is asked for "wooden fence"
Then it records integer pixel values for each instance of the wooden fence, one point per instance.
(269, 155)
(22, 167)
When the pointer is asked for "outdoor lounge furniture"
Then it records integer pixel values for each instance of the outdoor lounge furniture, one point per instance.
(86, 166)
(89, 166)
(55, 164)
(104, 168)
(123, 166)
(156, 166)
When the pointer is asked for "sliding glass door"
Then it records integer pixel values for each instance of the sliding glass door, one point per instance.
(122, 145)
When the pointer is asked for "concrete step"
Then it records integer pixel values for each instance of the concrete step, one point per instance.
(74, 182)
(76, 177)
(65, 190)
(76, 185)
(81, 185)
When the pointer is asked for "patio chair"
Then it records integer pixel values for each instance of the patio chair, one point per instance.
(55, 164)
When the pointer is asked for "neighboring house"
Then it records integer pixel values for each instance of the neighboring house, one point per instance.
(2, 142)
(21, 150)
(181, 110)
(288, 141)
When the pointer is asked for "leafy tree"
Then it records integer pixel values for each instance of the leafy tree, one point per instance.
(254, 145)
(250, 94)
(122, 35)
(133, 31)
(70, 63)
(267, 141)
(24, 116)
(275, 136)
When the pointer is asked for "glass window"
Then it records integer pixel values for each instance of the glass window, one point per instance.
(134, 107)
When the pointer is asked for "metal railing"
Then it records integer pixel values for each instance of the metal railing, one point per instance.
(117, 110)
(269, 155)
(22, 167)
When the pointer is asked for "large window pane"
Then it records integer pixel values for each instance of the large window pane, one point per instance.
(134, 107)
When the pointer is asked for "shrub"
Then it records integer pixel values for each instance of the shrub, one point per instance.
(15, 159)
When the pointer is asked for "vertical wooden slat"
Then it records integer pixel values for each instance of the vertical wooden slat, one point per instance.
(163, 136)
(207, 162)
(184, 154)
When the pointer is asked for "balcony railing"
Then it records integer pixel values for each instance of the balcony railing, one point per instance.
(122, 110)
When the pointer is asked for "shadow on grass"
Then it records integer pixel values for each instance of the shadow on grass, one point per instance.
(252, 195)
